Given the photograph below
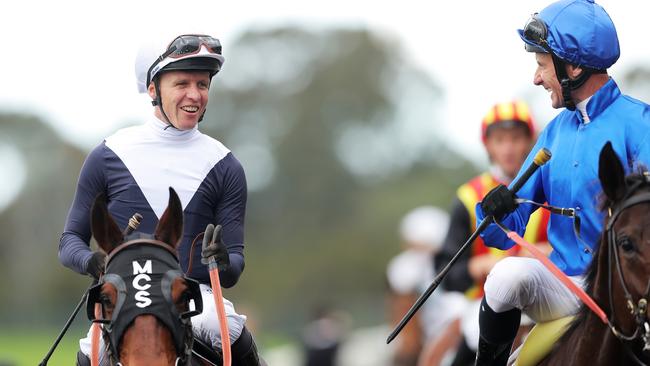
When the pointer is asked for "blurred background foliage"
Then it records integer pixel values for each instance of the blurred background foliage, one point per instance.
(338, 133)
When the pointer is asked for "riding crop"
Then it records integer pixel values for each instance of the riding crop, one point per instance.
(542, 156)
(66, 326)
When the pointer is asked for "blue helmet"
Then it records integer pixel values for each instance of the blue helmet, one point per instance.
(579, 32)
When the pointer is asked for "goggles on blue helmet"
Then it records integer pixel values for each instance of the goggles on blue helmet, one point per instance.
(536, 32)
(535, 35)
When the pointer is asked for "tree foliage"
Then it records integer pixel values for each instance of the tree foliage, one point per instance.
(338, 133)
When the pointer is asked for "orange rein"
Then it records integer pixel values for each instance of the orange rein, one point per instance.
(577, 290)
(94, 338)
(221, 312)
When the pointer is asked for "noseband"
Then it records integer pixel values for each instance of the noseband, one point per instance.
(143, 278)
(637, 308)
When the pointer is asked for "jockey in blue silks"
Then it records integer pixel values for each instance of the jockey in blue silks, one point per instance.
(574, 42)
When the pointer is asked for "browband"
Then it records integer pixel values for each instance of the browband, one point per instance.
(127, 244)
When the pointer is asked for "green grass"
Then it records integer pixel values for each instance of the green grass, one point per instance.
(28, 347)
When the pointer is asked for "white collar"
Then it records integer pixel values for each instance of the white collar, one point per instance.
(166, 131)
(582, 107)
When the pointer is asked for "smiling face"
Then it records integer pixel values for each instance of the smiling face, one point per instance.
(545, 76)
(184, 97)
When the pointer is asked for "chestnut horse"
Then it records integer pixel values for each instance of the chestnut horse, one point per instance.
(618, 278)
(145, 297)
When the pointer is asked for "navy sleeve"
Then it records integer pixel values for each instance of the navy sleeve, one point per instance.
(231, 211)
(74, 247)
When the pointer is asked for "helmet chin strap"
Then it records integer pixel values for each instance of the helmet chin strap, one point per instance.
(568, 85)
(158, 102)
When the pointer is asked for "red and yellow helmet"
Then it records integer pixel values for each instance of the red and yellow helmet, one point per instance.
(508, 114)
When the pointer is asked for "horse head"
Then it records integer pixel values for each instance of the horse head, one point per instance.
(622, 282)
(144, 296)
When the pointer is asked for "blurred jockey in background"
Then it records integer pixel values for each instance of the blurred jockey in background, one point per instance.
(508, 133)
(422, 231)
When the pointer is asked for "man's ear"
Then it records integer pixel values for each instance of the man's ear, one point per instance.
(574, 71)
(152, 90)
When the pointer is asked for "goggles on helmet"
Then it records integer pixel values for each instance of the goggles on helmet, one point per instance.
(186, 45)
(536, 33)
(190, 44)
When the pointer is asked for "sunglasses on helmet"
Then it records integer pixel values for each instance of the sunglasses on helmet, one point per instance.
(190, 44)
(536, 32)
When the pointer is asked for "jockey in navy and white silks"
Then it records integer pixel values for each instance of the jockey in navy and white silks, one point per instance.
(135, 167)
(572, 66)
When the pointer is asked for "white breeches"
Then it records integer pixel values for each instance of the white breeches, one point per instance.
(524, 283)
(204, 325)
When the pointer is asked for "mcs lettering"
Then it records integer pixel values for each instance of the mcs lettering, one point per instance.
(141, 283)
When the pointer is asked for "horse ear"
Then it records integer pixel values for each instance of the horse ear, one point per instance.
(170, 226)
(611, 173)
(104, 228)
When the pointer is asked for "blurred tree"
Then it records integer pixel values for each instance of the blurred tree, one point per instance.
(337, 131)
(635, 82)
(34, 283)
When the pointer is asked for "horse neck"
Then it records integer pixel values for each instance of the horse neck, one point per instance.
(588, 333)
(147, 342)
(588, 341)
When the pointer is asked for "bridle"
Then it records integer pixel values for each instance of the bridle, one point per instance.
(166, 271)
(639, 309)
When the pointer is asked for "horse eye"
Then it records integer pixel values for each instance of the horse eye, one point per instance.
(184, 298)
(626, 244)
(105, 300)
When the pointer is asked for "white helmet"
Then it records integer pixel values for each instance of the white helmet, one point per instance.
(185, 52)
(425, 225)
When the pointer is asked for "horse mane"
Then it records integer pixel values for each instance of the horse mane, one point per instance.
(633, 182)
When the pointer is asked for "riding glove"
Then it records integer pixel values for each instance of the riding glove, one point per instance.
(96, 264)
(499, 202)
(217, 249)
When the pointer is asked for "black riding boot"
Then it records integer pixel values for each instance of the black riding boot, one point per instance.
(498, 331)
(244, 350)
(82, 359)
(464, 355)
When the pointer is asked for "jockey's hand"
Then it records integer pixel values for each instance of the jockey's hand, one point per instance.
(217, 249)
(499, 202)
(96, 264)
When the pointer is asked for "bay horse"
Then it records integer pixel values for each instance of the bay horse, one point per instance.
(618, 278)
(144, 296)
